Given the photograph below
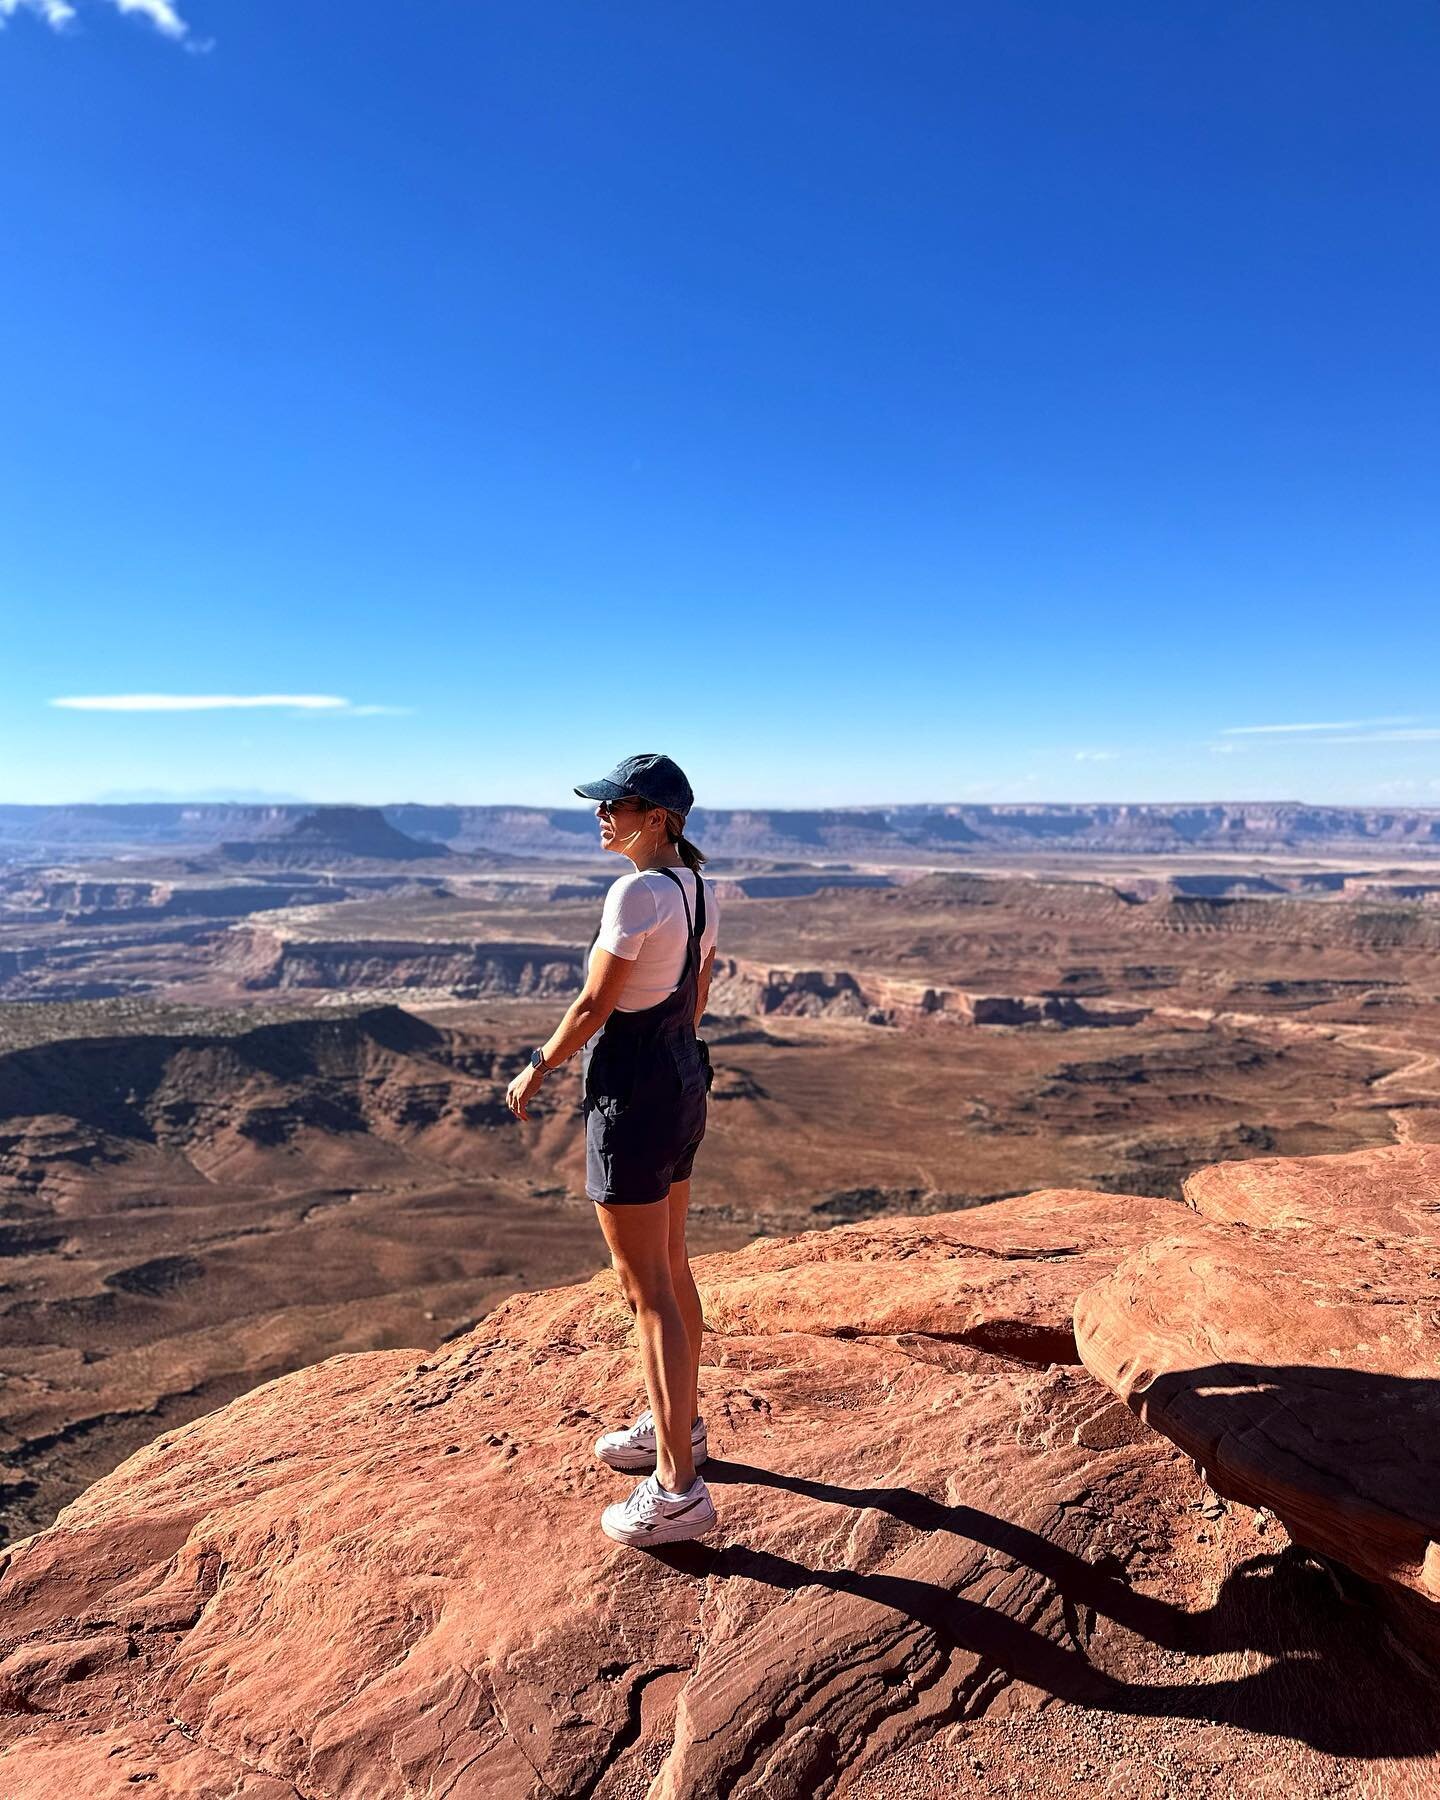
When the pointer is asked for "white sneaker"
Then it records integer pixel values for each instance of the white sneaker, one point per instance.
(650, 1517)
(633, 1448)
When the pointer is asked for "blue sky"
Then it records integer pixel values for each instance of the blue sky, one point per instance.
(862, 403)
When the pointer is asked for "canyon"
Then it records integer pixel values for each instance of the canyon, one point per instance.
(994, 1130)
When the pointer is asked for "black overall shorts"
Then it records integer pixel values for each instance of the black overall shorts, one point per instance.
(643, 1080)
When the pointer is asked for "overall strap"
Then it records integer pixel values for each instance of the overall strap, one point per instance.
(696, 931)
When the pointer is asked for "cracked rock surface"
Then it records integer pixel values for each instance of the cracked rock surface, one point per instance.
(949, 1560)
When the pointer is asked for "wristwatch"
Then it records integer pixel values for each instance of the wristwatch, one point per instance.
(537, 1060)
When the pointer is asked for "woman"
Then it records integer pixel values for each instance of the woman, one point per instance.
(644, 1080)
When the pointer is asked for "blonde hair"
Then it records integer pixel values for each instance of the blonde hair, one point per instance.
(690, 854)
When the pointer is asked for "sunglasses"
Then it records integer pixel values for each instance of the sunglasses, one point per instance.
(607, 809)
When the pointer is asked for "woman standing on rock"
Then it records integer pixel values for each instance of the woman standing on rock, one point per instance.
(644, 1078)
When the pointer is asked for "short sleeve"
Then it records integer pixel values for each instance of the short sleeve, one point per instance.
(628, 918)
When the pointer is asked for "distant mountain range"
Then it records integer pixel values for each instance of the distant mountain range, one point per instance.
(895, 834)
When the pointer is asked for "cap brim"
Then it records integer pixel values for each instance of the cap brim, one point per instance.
(602, 790)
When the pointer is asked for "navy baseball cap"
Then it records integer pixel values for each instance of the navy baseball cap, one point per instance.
(648, 776)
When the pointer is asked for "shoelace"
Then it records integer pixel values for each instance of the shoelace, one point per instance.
(639, 1432)
(645, 1498)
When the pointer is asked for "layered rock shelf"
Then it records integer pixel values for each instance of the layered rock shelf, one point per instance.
(262, 959)
(743, 986)
(964, 1546)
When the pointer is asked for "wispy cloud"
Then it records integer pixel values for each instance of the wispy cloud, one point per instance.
(1427, 734)
(1335, 731)
(1332, 725)
(333, 705)
(196, 702)
(60, 14)
(1096, 755)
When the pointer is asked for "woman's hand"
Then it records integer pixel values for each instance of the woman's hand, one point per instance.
(517, 1095)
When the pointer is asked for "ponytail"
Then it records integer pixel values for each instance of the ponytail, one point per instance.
(690, 854)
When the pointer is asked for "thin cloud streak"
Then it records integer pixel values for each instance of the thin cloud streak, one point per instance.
(328, 704)
(349, 711)
(1334, 725)
(193, 702)
(1339, 734)
(1428, 734)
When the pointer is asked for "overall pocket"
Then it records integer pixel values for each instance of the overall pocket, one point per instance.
(692, 1063)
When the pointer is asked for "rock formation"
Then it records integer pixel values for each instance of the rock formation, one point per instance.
(1294, 1351)
(330, 834)
(260, 957)
(743, 986)
(949, 1560)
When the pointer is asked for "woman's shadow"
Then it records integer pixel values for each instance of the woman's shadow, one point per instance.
(1335, 1679)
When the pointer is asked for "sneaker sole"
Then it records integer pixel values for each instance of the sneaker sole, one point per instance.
(679, 1532)
(641, 1462)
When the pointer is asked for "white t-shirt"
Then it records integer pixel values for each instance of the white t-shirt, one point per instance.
(644, 921)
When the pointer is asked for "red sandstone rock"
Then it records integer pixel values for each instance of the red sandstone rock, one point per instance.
(1001, 1278)
(1392, 1191)
(1301, 1369)
(383, 1575)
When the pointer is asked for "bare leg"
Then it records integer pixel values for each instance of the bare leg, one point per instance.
(639, 1241)
(683, 1282)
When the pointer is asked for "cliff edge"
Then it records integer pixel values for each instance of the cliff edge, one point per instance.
(953, 1557)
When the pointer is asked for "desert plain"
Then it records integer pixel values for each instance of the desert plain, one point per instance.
(252, 1068)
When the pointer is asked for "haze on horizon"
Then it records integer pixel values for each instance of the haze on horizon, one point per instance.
(864, 405)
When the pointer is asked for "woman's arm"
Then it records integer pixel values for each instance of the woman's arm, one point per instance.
(604, 984)
(704, 986)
